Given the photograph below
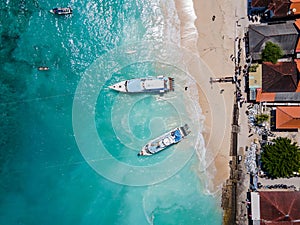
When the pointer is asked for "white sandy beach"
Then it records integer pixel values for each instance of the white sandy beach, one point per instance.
(215, 24)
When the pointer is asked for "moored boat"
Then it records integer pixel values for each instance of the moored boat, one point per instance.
(43, 68)
(162, 142)
(159, 84)
(61, 11)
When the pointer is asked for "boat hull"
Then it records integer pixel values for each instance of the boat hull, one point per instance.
(158, 84)
(164, 141)
(61, 11)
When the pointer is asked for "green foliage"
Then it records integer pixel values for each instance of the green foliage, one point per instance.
(271, 53)
(253, 68)
(261, 118)
(281, 158)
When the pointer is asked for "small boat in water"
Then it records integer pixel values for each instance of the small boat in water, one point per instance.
(43, 68)
(158, 144)
(159, 84)
(61, 11)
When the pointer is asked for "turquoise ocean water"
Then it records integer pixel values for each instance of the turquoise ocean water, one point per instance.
(68, 143)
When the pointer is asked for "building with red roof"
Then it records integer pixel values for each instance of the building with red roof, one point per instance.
(279, 77)
(277, 8)
(295, 7)
(288, 117)
(275, 208)
(279, 82)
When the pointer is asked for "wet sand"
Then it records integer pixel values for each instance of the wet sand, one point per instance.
(213, 42)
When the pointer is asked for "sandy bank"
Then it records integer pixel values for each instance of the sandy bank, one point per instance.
(215, 23)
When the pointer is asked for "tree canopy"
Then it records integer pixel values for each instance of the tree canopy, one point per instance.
(271, 53)
(281, 158)
(260, 118)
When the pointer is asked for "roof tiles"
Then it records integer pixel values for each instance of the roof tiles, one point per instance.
(288, 117)
(283, 34)
(279, 7)
(280, 207)
(279, 77)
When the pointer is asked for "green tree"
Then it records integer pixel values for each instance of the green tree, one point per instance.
(271, 53)
(261, 118)
(281, 158)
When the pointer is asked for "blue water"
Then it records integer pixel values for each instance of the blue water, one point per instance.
(68, 143)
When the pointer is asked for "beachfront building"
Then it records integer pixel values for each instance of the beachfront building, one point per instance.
(283, 34)
(287, 117)
(274, 207)
(279, 77)
(275, 82)
(294, 8)
(274, 9)
(280, 89)
(276, 85)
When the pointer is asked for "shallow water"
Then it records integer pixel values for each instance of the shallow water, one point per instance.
(69, 144)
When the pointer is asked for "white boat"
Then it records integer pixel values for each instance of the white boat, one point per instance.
(158, 84)
(61, 11)
(160, 143)
(41, 68)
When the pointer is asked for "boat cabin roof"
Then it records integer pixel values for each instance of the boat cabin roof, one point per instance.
(140, 85)
(153, 84)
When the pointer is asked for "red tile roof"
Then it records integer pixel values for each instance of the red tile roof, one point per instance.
(297, 24)
(295, 7)
(279, 77)
(264, 97)
(288, 117)
(298, 88)
(280, 207)
(297, 61)
(279, 7)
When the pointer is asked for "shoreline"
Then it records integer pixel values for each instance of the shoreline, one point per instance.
(192, 44)
(214, 44)
(214, 47)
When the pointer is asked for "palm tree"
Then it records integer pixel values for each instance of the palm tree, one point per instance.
(281, 158)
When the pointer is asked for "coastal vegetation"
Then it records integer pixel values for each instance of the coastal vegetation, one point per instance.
(253, 67)
(281, 158)
(260, 118)
(271, 53)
